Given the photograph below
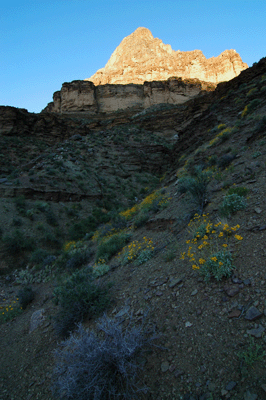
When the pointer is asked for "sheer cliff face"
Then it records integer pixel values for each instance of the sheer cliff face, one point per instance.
(140, 57)
(85, 96)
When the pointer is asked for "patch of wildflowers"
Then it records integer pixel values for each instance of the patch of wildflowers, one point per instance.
(138, 251)
(69, 246)
(155, 198)
(9, 311)
(207, 251)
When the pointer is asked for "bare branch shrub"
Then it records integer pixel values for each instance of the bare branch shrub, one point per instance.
(103, 364)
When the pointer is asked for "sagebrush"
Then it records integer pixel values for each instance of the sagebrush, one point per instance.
(101, 365)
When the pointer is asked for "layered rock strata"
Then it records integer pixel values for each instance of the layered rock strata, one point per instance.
(140, 57)
(84, 96)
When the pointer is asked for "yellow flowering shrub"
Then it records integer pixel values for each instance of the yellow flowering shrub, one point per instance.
(208, 248)
(156, 197)
(222, 135)
(100, 268)
(249, 108)
(110, 245)
(69, 246)
(138, 251)
(96, 236)
(105, 233)
(9, 311)
(128, 214)
(244, 112)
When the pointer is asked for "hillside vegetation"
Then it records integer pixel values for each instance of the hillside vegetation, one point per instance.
(133, 250)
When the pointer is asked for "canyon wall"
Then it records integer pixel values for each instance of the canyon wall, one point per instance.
(84, 96)
(142, 72)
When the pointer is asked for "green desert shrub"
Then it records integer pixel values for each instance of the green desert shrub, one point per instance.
(256, 154)
(30, 214)
(38, 256)
(78, 297)
(79, 230)
(88, 225)
(170, 255)
(141, 218)
(218, 266)
(212, 160)
(171, 251)
(239, 190)
(209, 254)
(74, 255)
(41, 206)
(231, 204)
(252, 91)
(117, 224)
(50, 239)
(118, 221)
(199, 231)
(253, 353)
(110, 246)
(78, 258)
(100, 268)
(17, 221)
(261, 126)
(25, 296)
(48, 261)
(71, 212)
(226, 160)
(51, 217)
(144, 256)
(225, 134)
(17, 242)
(29, 276)
(254, 104)
(196, 186)
(20, 204)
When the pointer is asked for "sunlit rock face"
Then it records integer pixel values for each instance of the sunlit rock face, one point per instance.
(137, 76)
(140, 57)
(84, 96)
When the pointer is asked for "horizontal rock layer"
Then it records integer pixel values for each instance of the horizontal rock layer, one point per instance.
(84, 96)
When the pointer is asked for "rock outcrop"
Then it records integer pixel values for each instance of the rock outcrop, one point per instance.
(140, 57)
(84, 96)
(143, 72)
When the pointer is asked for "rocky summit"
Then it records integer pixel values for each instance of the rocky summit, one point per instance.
(140, 57)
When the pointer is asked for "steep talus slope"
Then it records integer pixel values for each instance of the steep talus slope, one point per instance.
(207, 329)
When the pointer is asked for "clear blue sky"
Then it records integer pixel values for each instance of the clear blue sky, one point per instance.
(45, 43)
